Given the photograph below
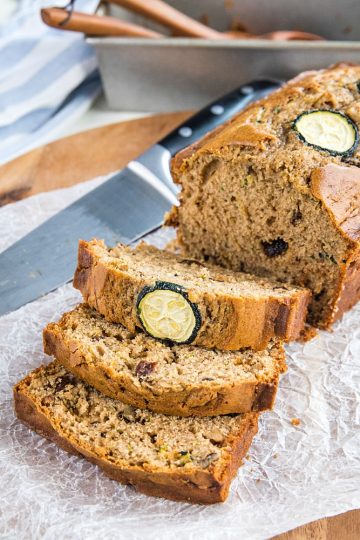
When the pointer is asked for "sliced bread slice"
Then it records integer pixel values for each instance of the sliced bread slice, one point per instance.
(181, 379)
(185, 459)
(186, 301)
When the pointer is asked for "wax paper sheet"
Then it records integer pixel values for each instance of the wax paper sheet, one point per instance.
(294, 474)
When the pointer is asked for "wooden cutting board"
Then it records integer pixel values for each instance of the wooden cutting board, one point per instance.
(82, 156)
(97, 152)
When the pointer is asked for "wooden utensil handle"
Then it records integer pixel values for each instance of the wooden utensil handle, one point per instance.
(291, 35)
(94, 24)
(170, 17)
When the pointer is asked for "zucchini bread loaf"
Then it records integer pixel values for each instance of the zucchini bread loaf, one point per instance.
(276, 191)
(186, 301)
(186, 459)
(181, 379)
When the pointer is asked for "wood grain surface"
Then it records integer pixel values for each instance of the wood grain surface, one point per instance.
(99, 151)
(82, 156)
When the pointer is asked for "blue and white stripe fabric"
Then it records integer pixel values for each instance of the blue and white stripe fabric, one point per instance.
(48, 78)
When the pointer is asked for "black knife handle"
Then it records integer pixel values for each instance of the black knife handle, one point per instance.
(217, 113)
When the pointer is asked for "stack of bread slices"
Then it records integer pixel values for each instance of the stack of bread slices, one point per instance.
(160, 375)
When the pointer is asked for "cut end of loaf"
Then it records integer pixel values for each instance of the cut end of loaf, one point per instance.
(256, 198)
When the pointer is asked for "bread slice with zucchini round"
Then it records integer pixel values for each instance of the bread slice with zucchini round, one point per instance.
(172, 379)
(181, 300)
(332, 131)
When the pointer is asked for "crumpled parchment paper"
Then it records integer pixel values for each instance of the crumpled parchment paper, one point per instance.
(294, 474)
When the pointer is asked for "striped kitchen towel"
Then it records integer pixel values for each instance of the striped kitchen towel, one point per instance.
(48, 78)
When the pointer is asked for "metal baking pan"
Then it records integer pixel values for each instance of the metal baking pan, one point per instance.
(181, 73)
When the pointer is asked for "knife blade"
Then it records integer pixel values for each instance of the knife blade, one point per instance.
(123, 209)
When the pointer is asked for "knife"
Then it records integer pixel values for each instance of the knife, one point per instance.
(125, 208)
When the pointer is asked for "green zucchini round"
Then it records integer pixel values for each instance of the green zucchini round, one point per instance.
(166, 313)
(331, 125)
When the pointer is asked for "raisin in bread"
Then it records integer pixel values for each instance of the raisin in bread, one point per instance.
(276, 191)
(181, 380)
(186, 459)
(185, 301)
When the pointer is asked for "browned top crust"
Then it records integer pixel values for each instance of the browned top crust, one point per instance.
(338, 188)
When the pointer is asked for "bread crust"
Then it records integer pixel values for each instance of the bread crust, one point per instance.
(348, 291)
(195, 486)
(246, 322)
(196, 400)
(338, 188)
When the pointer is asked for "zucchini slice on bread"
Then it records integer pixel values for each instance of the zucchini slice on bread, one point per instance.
(328, 130)
(182, 300)
(166, 313)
